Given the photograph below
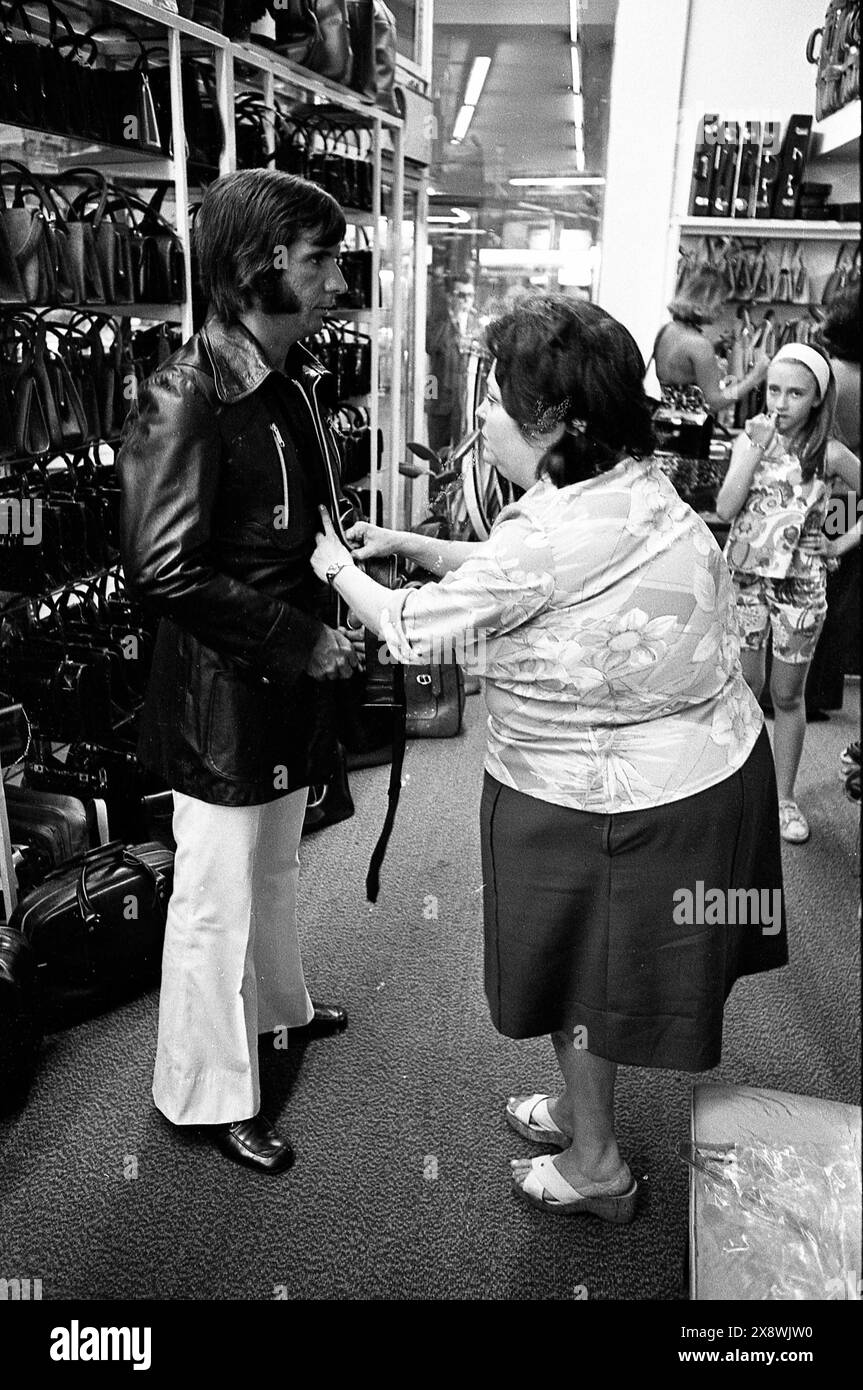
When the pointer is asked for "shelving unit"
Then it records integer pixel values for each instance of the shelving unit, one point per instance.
(788, 230)
(238, 67)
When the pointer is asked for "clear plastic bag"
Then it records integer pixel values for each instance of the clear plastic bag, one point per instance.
(787, 1219)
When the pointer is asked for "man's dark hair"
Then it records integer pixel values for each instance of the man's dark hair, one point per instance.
(567, 360)
(243, 220)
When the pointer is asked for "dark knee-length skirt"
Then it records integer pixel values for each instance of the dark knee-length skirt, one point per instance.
(632, 928)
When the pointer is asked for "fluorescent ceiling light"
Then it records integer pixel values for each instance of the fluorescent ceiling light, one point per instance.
(519, 258)
(476, 81)
(578, 109)
(576, 67)
(462, 122)
(567, 181)
(573, 20)
(457, 216)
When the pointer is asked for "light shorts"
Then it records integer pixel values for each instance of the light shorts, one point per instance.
(794, 609)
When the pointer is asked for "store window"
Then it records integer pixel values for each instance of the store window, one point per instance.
(521, 95)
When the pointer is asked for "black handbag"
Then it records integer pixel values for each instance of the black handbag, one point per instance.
(315, 34)
(96, 927)
(838, 60)
(330, 803)
(20, 1030)
(435, 697)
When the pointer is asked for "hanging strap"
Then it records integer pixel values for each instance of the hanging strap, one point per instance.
(395, 786)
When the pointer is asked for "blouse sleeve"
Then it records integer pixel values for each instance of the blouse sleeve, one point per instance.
(509, 584)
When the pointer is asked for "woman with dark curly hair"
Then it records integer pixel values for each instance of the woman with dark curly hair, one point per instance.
(629, 806)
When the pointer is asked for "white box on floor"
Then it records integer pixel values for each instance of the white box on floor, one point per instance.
(774, 1211)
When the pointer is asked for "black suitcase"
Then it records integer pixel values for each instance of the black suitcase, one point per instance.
(55, 827)
(20, 1033)
(96, 927)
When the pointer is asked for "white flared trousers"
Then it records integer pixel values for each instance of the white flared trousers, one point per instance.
(231, 967)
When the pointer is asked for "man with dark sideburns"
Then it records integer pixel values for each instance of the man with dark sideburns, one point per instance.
(223, 467)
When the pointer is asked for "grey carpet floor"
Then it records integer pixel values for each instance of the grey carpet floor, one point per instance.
(401, 1187)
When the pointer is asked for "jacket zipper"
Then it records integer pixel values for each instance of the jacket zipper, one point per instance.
(280, 449)
(328, 461)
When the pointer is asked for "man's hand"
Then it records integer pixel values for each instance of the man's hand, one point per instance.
(333, 657)
(329, 550)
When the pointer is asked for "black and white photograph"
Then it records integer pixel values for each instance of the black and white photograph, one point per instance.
(429, 670)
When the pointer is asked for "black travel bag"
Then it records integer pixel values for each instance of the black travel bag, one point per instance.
(54, 827)
(20, 1032)
(96, 927)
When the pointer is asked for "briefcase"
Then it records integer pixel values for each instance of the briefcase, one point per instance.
(96, 926)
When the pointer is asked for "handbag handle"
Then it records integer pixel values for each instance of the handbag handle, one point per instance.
(114, 854)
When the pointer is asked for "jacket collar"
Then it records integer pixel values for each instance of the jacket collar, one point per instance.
(239, 363)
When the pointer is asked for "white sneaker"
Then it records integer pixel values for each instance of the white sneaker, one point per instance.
(793, 825)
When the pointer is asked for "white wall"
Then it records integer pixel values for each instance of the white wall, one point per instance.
(649, 50)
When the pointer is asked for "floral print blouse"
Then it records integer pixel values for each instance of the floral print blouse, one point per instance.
(780, 512)
(602, 616)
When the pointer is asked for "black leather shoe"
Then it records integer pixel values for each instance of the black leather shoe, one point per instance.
(255, 1143)
(328, 1018)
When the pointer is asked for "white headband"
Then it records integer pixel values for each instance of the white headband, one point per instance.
(818, 366)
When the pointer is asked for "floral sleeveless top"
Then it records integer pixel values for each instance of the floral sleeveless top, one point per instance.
(769, 534)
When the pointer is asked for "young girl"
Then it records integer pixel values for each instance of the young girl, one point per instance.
(776, 494)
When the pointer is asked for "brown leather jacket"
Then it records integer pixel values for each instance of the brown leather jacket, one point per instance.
(222, 470)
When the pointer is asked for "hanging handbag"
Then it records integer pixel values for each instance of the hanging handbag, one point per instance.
(158, 265)
(842, 272)
(800, 288)
(96, 928)
(84, 271)
(111, 234)
(838, 60)
(435, 698)
(385, 58)
(22, 95)
(315, 34)
(27, 236)
(361, 21)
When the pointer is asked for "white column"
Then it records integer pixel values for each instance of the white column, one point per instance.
(647, 73)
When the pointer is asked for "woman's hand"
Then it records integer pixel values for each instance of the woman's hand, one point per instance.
(761, 430)
(370, 541)
(329, 550)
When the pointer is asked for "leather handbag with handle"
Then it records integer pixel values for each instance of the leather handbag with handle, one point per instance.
(158, 266)
(27, 236)
(838, 59)
(315, 34)
(111, 234)
(846, 271)
(96, 928)
(385, 58)
(20, 1030)
(84, 270)
(435, 698)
